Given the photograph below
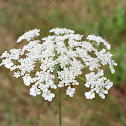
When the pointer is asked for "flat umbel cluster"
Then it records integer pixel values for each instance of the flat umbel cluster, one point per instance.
(63, 55)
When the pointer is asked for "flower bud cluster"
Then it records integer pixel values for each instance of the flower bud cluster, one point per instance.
(64, 56)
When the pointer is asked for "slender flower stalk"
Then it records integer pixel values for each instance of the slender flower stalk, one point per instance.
(37, 69)
(81, 78)
(59, 105)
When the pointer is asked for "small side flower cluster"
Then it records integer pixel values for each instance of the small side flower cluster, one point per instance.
(63, 55)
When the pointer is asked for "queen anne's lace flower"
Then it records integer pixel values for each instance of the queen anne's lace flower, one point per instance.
(99, 40)
(58, 31)
(70, 91)
(48, 96)
(29, 35)
(63, 55)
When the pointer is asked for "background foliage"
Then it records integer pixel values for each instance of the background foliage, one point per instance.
(104, 18)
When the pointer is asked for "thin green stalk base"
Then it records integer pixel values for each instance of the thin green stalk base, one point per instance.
(59, 105)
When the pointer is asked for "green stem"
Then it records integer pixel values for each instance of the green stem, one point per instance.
(81, 78)
(59, 105)
(55, 71)
(59, 102)
(37, 69)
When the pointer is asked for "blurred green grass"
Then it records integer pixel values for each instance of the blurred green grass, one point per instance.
(104, 18)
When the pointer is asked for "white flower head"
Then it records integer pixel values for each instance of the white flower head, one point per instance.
(34, 90)
(48, 95)
(17, 74)
(99, 40)
(61, 56)
(27, 79)
(58, 31)
(70, 91)
(90, 95)
(29, 35)
(7, 63)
